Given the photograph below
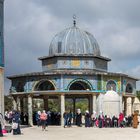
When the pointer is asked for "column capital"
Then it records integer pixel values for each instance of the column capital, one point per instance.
(30, 95)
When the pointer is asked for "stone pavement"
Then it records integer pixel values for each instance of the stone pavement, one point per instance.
(76, 133)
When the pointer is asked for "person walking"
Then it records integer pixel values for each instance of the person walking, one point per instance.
(37, 117)
(43, 119)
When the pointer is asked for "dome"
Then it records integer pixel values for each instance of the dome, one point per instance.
(74, 41)
(111, 96)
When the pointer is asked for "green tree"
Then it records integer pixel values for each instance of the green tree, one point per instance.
(138, 94)
(8, 102)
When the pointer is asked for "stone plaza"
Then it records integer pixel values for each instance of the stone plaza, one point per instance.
(74, 133)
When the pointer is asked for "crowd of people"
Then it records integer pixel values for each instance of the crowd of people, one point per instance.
(44, 119)
(53, 118)
(13, 118)
(92, 120)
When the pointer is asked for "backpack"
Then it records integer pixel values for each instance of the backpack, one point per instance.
(43, 116)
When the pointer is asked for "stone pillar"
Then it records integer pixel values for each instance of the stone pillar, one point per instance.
(22, 104)
(121, 104)
(18, 104)
(1, 89)
(30, 110)
(45, 103)
(74, 109)
(14, 104)
(94, 103)
(129, 106)
(62, 108)
(133, 100)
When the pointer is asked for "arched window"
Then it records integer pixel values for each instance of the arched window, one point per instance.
(44, 85)
(129, 88)
(111, 85)
(80, 85)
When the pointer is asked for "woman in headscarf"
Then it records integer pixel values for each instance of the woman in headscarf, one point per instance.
(78, 118)
(16, 120)
(87, 119)
(135, 120)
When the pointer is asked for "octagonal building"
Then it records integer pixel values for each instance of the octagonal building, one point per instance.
(73, 70)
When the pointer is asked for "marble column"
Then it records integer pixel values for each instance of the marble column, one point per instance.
(62, 108)
(14, 104)
(18, 104)
(74, 109)
(30, 110)
(1, 90)
(45, 103)
(121, 104)
(133, 99)
(94, 103)
(129, 106)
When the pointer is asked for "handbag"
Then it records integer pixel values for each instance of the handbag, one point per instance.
(4, 131)
(14, 125)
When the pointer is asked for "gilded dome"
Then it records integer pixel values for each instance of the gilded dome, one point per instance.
(74, 41)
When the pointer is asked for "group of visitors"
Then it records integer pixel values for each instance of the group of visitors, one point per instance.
(92, 120)
(13, 117)
(53, 118)
(23, 117)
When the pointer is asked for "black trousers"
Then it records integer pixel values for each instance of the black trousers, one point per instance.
(1, 134)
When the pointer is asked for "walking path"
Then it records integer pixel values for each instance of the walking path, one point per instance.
(75, 133)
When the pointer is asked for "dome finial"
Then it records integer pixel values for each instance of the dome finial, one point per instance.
(74, 20)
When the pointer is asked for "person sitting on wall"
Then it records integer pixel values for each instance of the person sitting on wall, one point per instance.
(121, 120)
(108, 121)
(114, 121)
(135, 120)
(129, 121)
(93, 120)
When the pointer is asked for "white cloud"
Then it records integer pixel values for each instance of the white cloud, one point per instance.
(31, 24)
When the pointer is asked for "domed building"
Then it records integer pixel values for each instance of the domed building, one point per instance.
(74, 69)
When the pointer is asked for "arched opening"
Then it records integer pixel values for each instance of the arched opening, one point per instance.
(80, 85)
(111, 85)
(129, 88)
(44, 85)
(20, 87)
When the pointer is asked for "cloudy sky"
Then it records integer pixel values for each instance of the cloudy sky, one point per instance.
(30, 26)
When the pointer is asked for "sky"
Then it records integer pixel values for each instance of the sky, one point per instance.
(30, 26)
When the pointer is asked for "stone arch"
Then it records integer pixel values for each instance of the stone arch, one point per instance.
(80, 84)
(44, 85)
(111, 85)
(129, 88)
(20, 87)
